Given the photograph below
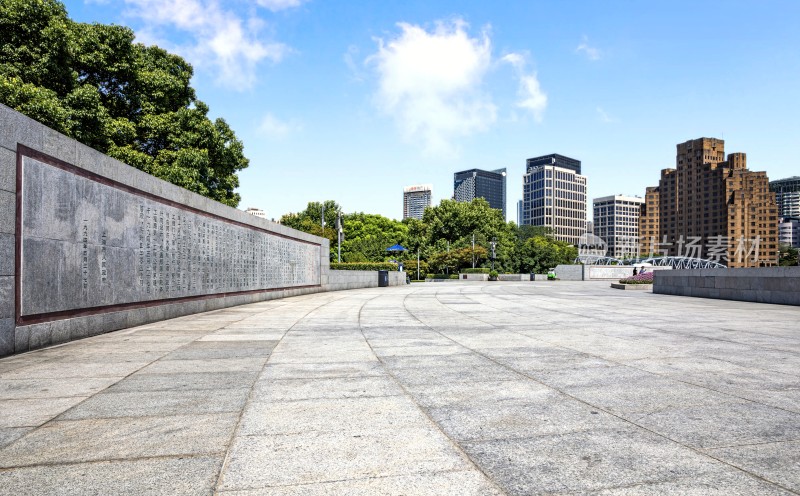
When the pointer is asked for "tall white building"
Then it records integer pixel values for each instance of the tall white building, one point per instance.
(257, 212)
(616, 221)
(415, 199)
(789, 231)
(554, 196)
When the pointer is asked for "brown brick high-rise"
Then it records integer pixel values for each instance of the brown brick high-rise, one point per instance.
(711, 208)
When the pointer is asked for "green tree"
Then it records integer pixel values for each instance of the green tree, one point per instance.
(93, 83)
(526, 232)
(366, 236)
(539, 253)
(455, 223)
(787, 255)
(310, 219)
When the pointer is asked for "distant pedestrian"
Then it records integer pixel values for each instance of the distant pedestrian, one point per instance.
(635, 271)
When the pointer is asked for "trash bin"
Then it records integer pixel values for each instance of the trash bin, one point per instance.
(533, 276)
(383, 278)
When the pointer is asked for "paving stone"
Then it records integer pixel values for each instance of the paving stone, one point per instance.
(104, 439)
(199, 366)
(726, 424)
(188, 476)
(466, 483)
(53, 387)
(356, 415)
(158, 403)
(454, 374)
(10, 434)
(34, 412)
(467, 395)
(275, 371)
(331, 387)
(185, 382)
(712, 484)
(587, 461)
(60, 370)
(778, 462)
(647, 394)
(226, 349)
(239, 335)
(313, 457)
(547, 413)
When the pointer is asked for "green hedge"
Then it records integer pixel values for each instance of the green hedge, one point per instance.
(442, 276)
(477, 270)
(364, 266)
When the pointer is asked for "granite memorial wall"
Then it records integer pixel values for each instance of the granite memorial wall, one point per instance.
(89, 245)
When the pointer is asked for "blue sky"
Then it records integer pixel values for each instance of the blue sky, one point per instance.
(352, 101)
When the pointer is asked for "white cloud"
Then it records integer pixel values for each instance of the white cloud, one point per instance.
(274, 128)
(219, 39)
(604, 116)
(531, 96)
(276, 5)
(431, 83)
(349, 58)
(592, 53)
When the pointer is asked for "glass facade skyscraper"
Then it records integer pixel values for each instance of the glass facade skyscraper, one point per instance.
(477, 183)
(787, 196)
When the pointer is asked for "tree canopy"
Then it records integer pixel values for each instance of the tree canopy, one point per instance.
(93, 83)
(443, 238)
(366, 235)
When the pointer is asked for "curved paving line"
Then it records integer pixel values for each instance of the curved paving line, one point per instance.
(247, 403)
(565, 393)
(457, 447)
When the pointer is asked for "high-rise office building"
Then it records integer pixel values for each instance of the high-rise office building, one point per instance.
(787, 196)
(415, 199)
(554, 196)
(520, 205)
(616, 221)
(649, 221)
(712, 208)
(789, 231)
(476, 183)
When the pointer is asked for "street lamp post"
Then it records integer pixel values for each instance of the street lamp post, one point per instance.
(417, 263)
(339, 235)
(494, 243)
(473, 250)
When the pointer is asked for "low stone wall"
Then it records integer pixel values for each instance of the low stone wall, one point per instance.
(90, 245)
(513, 277)
(570, 272)
(473, 277)
(780, 285)
(632, 287)
(357, 279)
(614, 272)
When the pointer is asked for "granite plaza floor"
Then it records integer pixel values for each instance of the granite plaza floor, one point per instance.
(430, 389)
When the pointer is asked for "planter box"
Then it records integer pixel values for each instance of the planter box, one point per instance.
(632, 287)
